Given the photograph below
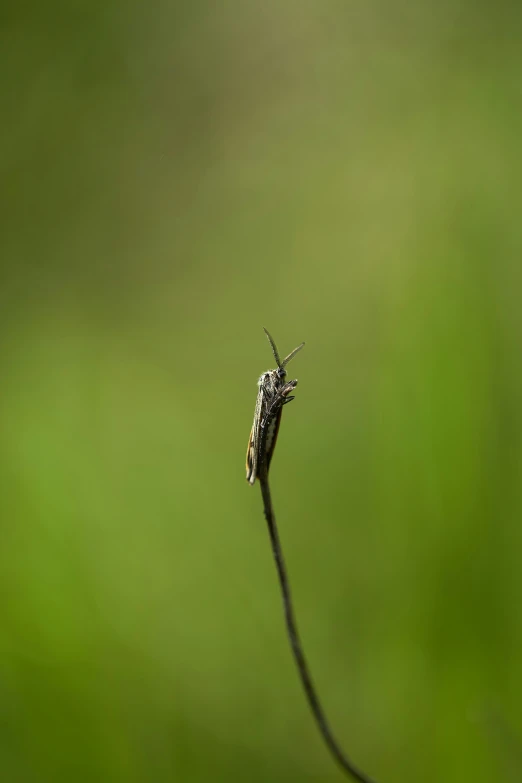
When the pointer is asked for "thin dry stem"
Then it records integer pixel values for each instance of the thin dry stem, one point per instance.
(293, 635)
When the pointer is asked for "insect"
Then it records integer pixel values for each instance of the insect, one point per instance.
(274, 392)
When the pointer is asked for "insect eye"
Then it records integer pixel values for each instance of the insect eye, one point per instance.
(281, 372)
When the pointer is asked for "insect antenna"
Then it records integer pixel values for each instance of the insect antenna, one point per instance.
(291, 355)
(273, 346)
(281, 364)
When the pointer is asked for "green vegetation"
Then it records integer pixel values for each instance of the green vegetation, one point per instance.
(174, 178)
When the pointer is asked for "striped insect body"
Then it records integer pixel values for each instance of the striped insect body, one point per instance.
(273, 392)
(271, 434)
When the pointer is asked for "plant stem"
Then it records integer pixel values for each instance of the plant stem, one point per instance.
(293, 635)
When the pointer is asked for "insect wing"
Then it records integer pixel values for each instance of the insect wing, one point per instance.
(251, 462)
(271, 435)
(254, 441)
(254, 444)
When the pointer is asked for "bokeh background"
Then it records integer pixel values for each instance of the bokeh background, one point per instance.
(174, 177)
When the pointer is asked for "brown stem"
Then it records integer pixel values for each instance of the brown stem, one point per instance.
(293, 635)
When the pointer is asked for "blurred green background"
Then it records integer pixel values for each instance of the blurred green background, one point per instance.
(174, 177)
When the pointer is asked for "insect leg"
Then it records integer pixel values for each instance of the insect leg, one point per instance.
(279, 400)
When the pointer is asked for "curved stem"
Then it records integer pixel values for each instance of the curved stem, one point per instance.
(293, 635)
